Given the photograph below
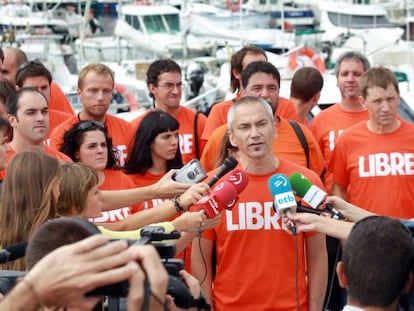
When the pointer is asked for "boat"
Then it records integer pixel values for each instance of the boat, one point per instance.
(361, 27)
(283, 14)
(156, 29)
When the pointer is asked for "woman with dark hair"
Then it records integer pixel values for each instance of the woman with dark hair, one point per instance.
(88, 142)
(155, 151)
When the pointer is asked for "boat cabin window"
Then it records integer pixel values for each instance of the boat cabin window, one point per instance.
(173, 22)
(358, 21)
(133, 21)
(168, 23)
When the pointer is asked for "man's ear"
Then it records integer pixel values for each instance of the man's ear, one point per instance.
(408, 284)
(12, 120)
(362, 101)
(232, 139)
(343, 281)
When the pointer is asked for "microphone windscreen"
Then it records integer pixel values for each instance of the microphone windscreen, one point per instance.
(17, 251)
(224, 193)
(239, 179)
(230, 163)
(300, 184)
(281, 191)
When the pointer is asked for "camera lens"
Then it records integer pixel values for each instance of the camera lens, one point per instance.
(191, 175)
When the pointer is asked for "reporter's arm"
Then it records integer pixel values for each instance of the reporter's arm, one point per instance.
(350, 211)
(165, 188)
(21, 298)
(306, 222)
(161, 212)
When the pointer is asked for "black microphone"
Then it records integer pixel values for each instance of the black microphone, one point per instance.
(13, 252)
(228, 164)
(304, 209)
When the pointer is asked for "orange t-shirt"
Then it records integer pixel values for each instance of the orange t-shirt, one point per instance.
(286, 145)
(115, 180)
(256, 267)
(185, 118)
(142, 181)
(326, 128)
(121, 132)
(218, 114)
(377, 169)
(58, 101)
(149, 179)
(56, 118)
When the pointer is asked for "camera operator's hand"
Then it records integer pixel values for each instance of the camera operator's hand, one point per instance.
(64, 276)
(193, 286)
(193, 194)
(150, 265)
(167, 187)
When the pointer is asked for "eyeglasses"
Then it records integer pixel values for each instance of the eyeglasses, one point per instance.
(86, 125)
(170, 86)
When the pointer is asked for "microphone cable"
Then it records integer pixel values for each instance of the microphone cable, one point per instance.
(203, 259)
(297, 272)
(328, 297)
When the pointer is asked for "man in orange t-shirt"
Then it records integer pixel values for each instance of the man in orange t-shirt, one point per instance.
(238, 62)
(35, 74)
(95, 86)
(165, 87)
(331, 122)
(262, 79)
(257, 262)
(28, 115)
(373, 161)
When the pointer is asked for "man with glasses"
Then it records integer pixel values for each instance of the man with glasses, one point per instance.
(95, 86)
(165, 86)
(14, 58)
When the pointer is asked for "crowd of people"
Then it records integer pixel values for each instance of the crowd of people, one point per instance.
(72, 183)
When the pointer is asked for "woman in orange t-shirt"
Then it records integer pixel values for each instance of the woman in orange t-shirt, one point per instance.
(155, 151)
(88, 142)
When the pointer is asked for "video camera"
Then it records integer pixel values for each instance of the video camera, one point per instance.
(115, 293)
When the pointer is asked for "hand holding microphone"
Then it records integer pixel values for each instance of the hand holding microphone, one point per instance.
(284, 201)
(312, 195)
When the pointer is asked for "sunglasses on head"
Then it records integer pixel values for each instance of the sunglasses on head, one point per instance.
(85, 125)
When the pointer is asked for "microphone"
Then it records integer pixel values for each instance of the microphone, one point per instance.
(239, 179)
(228, 164)
(311, 194)
(13, 252)
(221, 197)
(284, 201)
(304, 209)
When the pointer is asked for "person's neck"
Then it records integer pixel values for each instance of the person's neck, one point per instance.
(392, 307)
(378, 129)
(351, 104)
(158, 167)
(301, 109)
(259, 166)
(171, 111)
(83, 115)
(19, 144)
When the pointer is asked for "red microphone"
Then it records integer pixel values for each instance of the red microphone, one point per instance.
(239, 179)
(219, 199)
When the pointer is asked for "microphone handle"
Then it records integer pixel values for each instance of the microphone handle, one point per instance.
(336, 214)
(213, 180)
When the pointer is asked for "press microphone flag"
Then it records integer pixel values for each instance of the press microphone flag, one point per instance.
(283, 197)
(220, 198)
(311, 194)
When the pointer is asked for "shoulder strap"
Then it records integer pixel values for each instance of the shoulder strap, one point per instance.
(302, 139)
(196, 143)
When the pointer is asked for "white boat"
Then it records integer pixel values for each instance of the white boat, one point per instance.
(157, 29)
(283, 14)
(362, 27)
